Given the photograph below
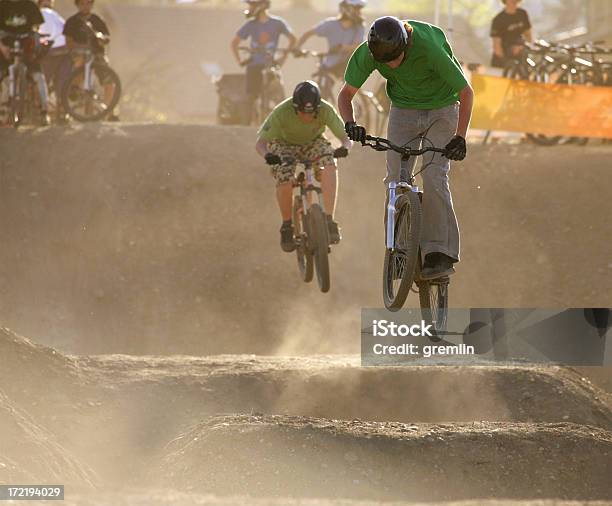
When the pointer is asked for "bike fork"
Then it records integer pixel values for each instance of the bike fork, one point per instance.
(12, 81)
(393, 196)
(391, 216)
(87, 84)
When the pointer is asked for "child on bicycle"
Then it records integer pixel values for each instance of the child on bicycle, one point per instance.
(343, 34)
(294, 130)
(264, 31)
(88, 30)
(18, 17)
(429, 94)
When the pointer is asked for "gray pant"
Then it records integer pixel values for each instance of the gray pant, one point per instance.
(440, 232)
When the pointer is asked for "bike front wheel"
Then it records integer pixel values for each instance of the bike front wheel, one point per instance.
(96, 103)
(318, 236)
(401, 261)
(433, 297)
(302, 250)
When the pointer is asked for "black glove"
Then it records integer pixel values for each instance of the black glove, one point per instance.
(272, 159)
(355, 132)
(340, 152)
(456, 148)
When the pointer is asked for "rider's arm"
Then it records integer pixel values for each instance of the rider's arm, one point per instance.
(497, 47)
(345, 102)
(5, 50)
(304, 38)
(269, 130)
(496, 35)
(335, 124)
(234, 46)
(261, 146)
(466, 103)
(527, 35)
(292, 40)
(358, 69)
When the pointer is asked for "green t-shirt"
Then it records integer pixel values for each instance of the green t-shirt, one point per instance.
(284, 124)
(429, 78)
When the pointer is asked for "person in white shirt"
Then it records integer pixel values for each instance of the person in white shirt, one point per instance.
(57, 65)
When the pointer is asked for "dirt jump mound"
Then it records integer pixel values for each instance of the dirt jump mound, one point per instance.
(306, 457)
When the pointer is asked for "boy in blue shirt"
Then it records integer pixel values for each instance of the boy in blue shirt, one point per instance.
(264, 31)
(343, 34)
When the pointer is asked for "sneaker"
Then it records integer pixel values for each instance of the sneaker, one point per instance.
(113, 118)
(287, 241)
(333, 230)
(437, 265)
(63, 119)
(45, 120)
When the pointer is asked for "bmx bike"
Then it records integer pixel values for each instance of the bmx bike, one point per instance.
(402, 265)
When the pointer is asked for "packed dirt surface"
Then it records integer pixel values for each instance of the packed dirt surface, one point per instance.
(275, 455)
(164, 239)
(272, 427)
(145, 260)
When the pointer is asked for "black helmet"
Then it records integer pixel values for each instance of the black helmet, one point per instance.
(387, 39)
(307, 97)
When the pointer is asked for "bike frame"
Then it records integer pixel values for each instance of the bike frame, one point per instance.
(88, 61)
(306, 185)
(406, 183)
(15, 68)
(406, 178)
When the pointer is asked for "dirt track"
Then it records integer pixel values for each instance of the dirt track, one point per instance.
(379, 433)
(162, 239)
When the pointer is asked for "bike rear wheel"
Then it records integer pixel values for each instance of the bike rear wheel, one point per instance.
(318, 237)
(433, 298)
(91, 105)
(302, 250)
(400, 263)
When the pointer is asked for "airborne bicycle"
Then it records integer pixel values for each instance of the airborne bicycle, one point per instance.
(310, 223)
(402, 266)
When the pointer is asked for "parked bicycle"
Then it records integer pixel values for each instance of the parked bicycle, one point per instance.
(368, 109)
(560, 64)
(310, 223)
(23, 100)
(402, 266)
(93, 89)
(272, 88)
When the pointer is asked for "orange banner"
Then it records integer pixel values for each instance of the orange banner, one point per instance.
(548, 109)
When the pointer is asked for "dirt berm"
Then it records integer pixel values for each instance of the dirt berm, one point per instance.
(164, 239)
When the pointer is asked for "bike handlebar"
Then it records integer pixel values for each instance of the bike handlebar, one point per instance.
(382, 144)
(290, 160)
(302, 53)
(264, 50)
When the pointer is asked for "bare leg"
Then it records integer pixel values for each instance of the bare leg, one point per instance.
(284, 196)
(329, 185)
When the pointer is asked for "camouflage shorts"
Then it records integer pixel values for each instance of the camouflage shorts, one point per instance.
(321, 147)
